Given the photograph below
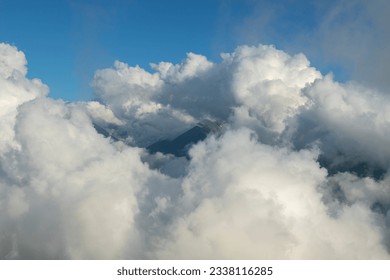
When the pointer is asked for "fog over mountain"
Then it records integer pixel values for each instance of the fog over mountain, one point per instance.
(258, 156)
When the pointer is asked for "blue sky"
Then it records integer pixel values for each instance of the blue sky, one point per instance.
(65, 41)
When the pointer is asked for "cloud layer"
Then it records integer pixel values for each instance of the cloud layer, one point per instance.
(299, 170)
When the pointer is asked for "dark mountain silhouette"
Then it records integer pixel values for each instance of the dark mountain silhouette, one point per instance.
(177, 146)
(180, 145)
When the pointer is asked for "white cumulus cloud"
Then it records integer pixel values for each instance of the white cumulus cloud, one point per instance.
(297, 170)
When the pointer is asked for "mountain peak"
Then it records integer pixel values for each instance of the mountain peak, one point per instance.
(180, 145)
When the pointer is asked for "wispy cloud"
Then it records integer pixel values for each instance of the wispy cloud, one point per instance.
(350, 35)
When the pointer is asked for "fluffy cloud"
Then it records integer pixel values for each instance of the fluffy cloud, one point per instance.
(66, 191)
(15, 90)
(351, 124)
(281, 179)
(259, 87)
(267, 84)
(243, 200)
